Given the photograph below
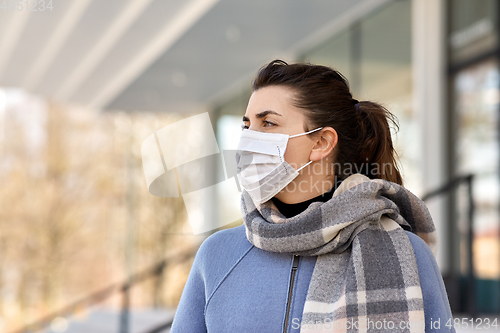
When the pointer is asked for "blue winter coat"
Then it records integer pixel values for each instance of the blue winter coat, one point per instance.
(235, 287)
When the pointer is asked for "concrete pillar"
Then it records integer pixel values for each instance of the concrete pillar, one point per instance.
(430, 96)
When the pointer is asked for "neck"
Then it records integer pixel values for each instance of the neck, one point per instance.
(304, 191)
(292, 209)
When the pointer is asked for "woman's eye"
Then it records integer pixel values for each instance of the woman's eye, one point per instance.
(266, 124)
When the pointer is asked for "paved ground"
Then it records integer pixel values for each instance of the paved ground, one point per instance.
(100, 320)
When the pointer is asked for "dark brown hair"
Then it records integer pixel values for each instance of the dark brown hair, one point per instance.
(364, 138)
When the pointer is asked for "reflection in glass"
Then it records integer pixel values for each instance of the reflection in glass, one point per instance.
(472, 28)
(386, 77)
(375, 56)
(477, 152)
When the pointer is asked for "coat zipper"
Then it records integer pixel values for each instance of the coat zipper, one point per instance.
(295, 265)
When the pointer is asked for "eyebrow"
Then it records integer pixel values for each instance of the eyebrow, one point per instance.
(262, 114)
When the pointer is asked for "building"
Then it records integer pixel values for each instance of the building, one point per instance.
(433, 63)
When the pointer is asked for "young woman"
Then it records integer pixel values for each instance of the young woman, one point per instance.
(331, 240)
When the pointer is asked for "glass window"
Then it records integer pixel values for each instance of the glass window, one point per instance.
(385, 72)
(334, 53)
(375, 56)
(476, 98)
(472, 28)
(385, 53)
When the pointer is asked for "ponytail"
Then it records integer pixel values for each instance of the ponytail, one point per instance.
(376, 143)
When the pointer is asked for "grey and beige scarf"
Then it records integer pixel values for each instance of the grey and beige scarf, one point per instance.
(365, 278)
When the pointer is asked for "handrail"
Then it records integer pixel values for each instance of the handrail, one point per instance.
(106, 292)
(160, 328)
(449, 187)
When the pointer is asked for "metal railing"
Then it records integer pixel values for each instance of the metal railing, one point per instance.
(155, 270)
(449, 188)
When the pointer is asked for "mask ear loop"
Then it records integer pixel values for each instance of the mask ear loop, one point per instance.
(302, 167)
(292, 136)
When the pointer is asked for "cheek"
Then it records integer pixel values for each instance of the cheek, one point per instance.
(289, 156)
(296, 155)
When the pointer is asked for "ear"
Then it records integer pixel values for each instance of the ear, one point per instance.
(324, 144)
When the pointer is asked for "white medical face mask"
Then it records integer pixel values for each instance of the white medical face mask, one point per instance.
(261, 167)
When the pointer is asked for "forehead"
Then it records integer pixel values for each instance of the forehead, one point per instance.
(275, 98)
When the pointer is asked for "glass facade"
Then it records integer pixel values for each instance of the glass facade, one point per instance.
(474, 126)
(336, 53)
(386, 77)
(374, 54)
(472, 28)
(477, 152)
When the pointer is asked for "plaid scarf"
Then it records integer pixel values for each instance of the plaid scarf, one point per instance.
(365, 278)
